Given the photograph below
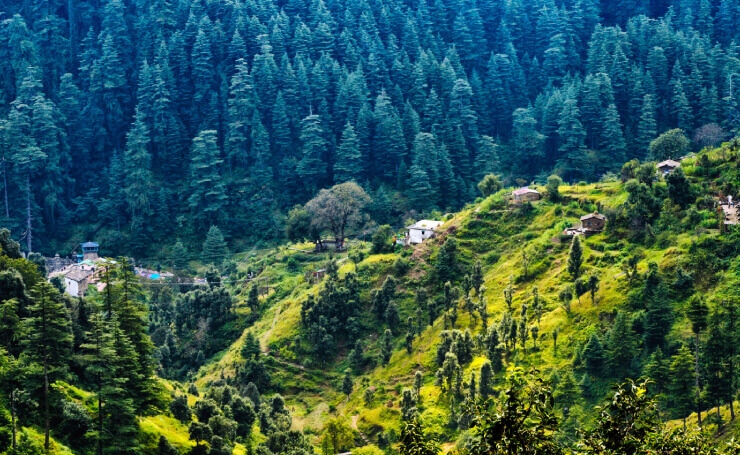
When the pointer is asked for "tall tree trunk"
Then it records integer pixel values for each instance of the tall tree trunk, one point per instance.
(5, 190)
(12, 415)
(696, 378)
(29, 235)
(719, 414)
(46, 404)
(46, 377)
(100, 416)
(732, 407)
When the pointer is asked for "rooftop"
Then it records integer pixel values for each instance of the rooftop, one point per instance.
(430, 225)
(77, 274)
(524, 190)
(596, 215)
(90, 245)
(669, 163)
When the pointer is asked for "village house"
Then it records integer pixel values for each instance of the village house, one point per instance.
(89, 251)
(525, 194)
(593, 222)
(665, 167)
(421, 230)
(590, 224)
(76, 281)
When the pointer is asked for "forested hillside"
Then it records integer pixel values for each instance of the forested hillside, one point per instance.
(144, 120)
(501, 324)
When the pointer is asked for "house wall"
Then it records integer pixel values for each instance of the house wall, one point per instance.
(71, 287)
(91, 255)
(418, 235)
(527, 197)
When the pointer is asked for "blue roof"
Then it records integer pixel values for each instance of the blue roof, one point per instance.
(90, 245)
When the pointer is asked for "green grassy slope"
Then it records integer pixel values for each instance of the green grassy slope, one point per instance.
(497, 234)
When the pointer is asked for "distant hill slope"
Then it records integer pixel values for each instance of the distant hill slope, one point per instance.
(660, 252)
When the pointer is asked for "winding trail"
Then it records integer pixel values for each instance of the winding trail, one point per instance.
(267, 334)
(354, 426)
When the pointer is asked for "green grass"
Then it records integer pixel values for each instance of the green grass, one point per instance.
(497, 235)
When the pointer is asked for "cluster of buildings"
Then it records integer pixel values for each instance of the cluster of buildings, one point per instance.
(78, 276)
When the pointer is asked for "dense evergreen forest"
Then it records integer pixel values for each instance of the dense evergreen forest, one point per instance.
(143, 120)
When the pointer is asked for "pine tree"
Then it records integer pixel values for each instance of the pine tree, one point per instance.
(138, 163)
(179, 256)
(102, 364)
(214, 247)
(348, 165)
(485, 387)
(130, 313)
(621, 347)
(208, 197)
(697, 313)
(314, 147)
(593, 355)
(718, 385)
(612, 139)
(647, 128)
(572, 138)
(575, 258)
(48, 342)
(347, 385)
(386, 346)
(682, 386)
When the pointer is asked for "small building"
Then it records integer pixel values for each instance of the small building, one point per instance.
(593, 222)
(76, 281)
(525, 194)
(422, 230)
(89, 251)
(665, 167)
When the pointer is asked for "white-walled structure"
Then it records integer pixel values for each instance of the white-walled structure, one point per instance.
(422, 230)
(76, 280)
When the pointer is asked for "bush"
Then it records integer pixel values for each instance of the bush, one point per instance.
(553, 188)
(400, 266)
(489, 185)
(76, 421)
(381, 239)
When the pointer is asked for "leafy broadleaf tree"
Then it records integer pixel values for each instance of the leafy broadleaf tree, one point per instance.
(338, 209)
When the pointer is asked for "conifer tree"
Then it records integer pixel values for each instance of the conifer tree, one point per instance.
(347, 385)
(48, 342)
(647, 128)
(311, 166)
(575, 258)
(348, 165)
(682, 386)
(138, 162)
(593, 355)
(612, 140)
(130, 314)
(620, 347)
(208, 197)
(697, 313)
(214, 247)
(386, 346)
(179, 256)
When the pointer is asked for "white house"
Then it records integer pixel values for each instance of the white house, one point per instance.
(76, 280)
(422, 230)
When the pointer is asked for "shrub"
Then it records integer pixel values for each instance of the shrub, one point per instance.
(381, 239)
(400, 266)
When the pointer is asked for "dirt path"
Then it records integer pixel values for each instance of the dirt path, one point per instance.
(354, 426)
(267, 334)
